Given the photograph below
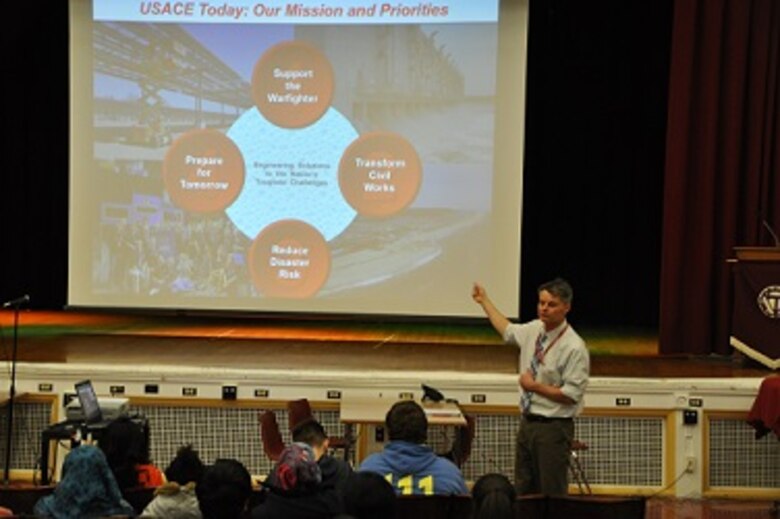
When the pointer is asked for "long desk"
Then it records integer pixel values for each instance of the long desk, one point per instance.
(372, 410)
(365, 411)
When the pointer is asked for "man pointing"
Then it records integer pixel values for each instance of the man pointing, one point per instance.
(554, 370)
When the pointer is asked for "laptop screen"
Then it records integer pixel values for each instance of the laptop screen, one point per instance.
(89, 402)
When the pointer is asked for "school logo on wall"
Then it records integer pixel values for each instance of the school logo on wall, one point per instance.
(769, 301)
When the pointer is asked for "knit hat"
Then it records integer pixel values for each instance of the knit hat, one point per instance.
(297, 469)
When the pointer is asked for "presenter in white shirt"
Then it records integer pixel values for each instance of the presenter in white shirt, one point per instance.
(554, 367)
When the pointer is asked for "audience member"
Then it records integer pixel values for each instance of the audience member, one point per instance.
(335, 472)
(126, 446)
(369, 496)
(295, 489)
(224, 490)
(494, 496)
(409, 465)
(176, 498)
(87, 489)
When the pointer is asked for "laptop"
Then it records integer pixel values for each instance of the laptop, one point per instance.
(93, 416)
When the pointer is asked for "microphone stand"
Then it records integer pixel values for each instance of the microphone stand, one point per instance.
(12, 394)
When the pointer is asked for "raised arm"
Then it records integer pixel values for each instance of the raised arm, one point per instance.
(497, 319)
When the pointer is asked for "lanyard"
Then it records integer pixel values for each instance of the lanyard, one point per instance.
(541, 357)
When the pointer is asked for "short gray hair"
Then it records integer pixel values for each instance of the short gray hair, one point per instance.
(560, 288)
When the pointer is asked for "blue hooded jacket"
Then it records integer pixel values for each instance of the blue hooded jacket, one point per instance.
(415, 469)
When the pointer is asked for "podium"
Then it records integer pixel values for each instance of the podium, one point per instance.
(755, 324)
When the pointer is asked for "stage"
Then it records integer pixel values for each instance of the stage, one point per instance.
(73, 337)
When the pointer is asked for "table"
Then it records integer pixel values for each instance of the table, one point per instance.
(367, 411)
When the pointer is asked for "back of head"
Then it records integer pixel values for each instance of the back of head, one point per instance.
(310, 432)
(494, 497)
(368, 495)
(125, 444)
(185, 467)
(297, 471)
(87, 486)
(223, 490)
(406, 421)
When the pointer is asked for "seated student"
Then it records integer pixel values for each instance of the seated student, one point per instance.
(335, 472)
(369, 496)
(126, 446)
(87, 489)
(494, 496)
(409, 465)
(295, 488)
(224, 490)
(176, 499)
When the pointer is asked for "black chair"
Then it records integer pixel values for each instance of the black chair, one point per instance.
(433, 507)
(597, 507)
(460, 451)
(21, 500)
(139, 498)
(532, 506)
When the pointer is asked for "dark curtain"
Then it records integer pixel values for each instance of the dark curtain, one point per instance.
(722, 175)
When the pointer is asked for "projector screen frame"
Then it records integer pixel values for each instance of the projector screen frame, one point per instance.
(504, 288)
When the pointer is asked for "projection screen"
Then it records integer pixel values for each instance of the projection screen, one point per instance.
(347, 157)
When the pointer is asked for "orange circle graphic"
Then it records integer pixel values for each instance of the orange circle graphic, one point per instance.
(203, 171)
(292, 84)
(289, 259)
(380, 174)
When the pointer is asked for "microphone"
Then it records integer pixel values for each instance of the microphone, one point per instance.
(429, 393)
(771, 233)
(18, 301)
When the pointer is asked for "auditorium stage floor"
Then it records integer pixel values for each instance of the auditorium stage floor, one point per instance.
(97, 338)
(668, 508)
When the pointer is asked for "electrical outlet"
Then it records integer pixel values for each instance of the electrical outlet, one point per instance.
(690, 417)
(229, 392)
(690, 464)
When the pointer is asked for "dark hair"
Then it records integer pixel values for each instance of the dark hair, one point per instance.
(494, 497)
(310, 432)
(406, 421)
(368, 495)
(224, 489)
(125, 444)
(185, 467)
(560, 288)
